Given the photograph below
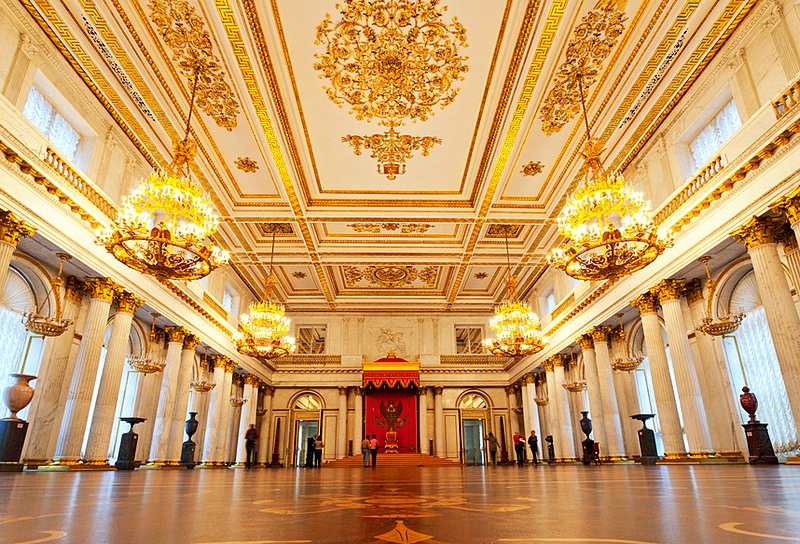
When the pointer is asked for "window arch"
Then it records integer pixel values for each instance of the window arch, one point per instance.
(307, 402)
(473, 401)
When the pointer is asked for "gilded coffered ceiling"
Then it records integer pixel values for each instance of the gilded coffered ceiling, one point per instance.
(387, 138)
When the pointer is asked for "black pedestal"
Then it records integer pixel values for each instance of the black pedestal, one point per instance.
(127, 451)
(12, 438)
(187, 454)
(759, 444)
(588, 451)
(647, 440)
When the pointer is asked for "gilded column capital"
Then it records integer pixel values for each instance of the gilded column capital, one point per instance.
(12, 229)
(175, 334)
(585, 341)
(438, 389)
(74, 289)
(646, 303)
(157, 336)
(422, 391)
(669, 289)
(191, 341)
(559, 359)
(694, 291)
(358, 391)
(759, 231)
(128, 302)
(342, 390)
(511, 389)
(252, 379)
(102, 288)
(527, 378)
(789, 206)
(230, 365)
(267, 389)
(548, 364)
(600, 333)
(219, 361)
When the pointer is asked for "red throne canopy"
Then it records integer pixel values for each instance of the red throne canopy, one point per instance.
(391, 403)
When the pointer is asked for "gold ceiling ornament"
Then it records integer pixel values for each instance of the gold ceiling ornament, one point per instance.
(630, 362)
(607, 226)
(517, 327)
(391, 149)
(391, 276)
(184, 32)
(726, 324)
(532, 168)
(153, 361)
(265, 327)
(376, 228)
(162, 227)
(299, 275)
(593, 41)
(246, 164)
(481, 275)
(198, 384)
(46, 325)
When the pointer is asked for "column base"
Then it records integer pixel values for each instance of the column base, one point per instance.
(66, 461)
(53, 468)
(733, 456)
(567, 461)
(702, 454)
(35, 463)
(172, 463)
(152, 465)
(237, 465)
(95, 463)
(794, 460)
(617, 459)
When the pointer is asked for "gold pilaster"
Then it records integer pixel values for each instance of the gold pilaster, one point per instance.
(12, 229)
(527, 378)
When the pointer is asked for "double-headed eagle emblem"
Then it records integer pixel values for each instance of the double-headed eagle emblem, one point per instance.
(391, 416)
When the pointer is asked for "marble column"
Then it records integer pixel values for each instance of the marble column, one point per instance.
(423, 420)
(166, 397)
(146, 403)
(438, 421)
(341, 425)
(760, 236)
(79, 398)
(358, 420)
(540, 382)
(236, 404)
(215, 400)
(39, 447)
(608, 394)
(534, 425)
(565, 417)
(224, 414)
(12, 230)
(180, 408)
(513, 417)
(526, 405)
(593, 392)
(263, 456)
(666, 406)
(98, 446)
(247, 416)
(554, 424)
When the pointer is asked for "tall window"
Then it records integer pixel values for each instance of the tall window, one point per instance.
(719, 129)
(311, 340)
(468, 340)
(230, 300)
(58, 130)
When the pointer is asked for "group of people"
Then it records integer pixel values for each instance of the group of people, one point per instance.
(519, 447)
(314, 447)
(369, 447)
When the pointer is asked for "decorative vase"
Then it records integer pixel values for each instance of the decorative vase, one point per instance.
(191, 425)
(18, 395)
(749, 403)
(586, 424)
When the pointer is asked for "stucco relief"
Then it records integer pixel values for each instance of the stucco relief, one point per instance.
(398, 335)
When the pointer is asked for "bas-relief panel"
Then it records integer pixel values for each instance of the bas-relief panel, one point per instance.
(9, 42)
(765, 67)
(399, 335)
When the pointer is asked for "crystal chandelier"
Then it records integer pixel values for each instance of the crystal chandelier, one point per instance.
(162, 227)
(726, 324)
(43, 324)
(153, 361)
(517, 327)
(630, 362)
(265, 326)
(607, 225)
(201, 386)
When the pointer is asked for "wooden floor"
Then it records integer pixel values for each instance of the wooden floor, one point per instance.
(615, 504)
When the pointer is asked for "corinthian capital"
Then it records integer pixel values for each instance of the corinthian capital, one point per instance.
(12, 229)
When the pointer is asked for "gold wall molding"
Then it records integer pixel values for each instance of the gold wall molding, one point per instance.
(404, 228)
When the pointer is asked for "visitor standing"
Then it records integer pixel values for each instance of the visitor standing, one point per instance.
(533, 443)
(250, 441)
(310, 451)
(491, 440)
(318, 445)
(519, 447)
(373, 449)
(365, 447)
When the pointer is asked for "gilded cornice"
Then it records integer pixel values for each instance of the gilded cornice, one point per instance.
(191, 341)
(102, 288)
(128, 302)
(645, 303)
(759, 231)
(585, 341)
(669, 289)
(600, 333)
(12, 229)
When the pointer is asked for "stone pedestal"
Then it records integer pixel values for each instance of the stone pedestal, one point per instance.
(759, 444)
(126, 458)
(647, 441)
(12, 437)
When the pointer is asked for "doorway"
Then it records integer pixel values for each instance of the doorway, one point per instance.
(305, 429)
(473, 442)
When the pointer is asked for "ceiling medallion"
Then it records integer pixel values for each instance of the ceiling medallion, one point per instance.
(246, 164)
(184, 32)
(532, 168)
(726, 324)
(391, 60)
(405, 228)
(299, 275)
(390, 276)
(481, 275)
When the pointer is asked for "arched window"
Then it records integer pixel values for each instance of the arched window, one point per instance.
(308, 403)
(472, 401)
(17, 296)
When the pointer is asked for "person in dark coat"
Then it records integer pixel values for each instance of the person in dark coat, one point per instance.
(533, 444)
(310, 447)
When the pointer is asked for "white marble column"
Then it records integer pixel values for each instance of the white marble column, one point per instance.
(166, 397)
(593, 391)
(263, 457)
(358, 420)
(608, 394)
(530, 394)
(147, 399)
(237, 394)
(225, 410)
(79, 398)
(513, 417)
(98, 446)
(625, 385)
(565, 416)
(666, 406)
(215, 400)
(760, 236)
(341, 425)
(554, 424)
(246, 417)
(422, 419)
(180, 408)
(12, 230)
(39, 446)
(438, 421)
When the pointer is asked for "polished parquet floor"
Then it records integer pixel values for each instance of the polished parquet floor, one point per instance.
(613, 504)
